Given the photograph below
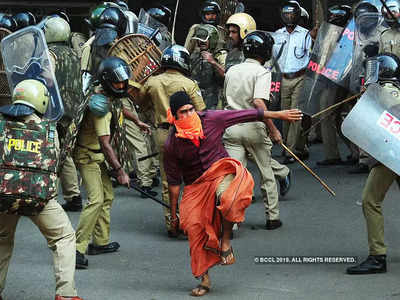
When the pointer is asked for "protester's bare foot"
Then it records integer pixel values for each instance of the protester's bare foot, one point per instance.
(203, 288)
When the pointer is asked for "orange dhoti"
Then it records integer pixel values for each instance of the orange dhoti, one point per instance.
(200, 215)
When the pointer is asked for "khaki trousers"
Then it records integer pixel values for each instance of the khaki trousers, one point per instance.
(253, 138)
(94, 221)
(328, 128)
(161, 137)
(379, 181)
(137, 142)
(292, 132)
(55, 226)
(69, 179)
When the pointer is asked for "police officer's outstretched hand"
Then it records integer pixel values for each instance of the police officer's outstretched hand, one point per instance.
(291, 115)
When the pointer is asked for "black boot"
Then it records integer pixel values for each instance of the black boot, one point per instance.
(74, 205)
(373, 264)
(81, 261)
(148, 191)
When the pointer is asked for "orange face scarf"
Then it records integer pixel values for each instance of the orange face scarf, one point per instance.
(188, 128)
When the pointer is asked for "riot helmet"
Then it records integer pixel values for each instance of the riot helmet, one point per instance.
(122, 4)
(24, 19)
(28, 96)
(206, 32)
(61, 14)
(94, 18)
(291, 13)
(394, 7)
(339, 15)
(176, 57)
(56, 29)
(244, 21)
(113, 74)
(389, 67)
(367, 17)
(210, 7)
(258, 44)
(7, 22)
(304, 16)
(161, 13)
(111, 24)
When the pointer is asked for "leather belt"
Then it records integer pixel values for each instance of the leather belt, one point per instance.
(294, 74)
(165, 126)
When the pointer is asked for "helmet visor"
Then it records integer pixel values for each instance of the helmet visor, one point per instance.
(120, 74)
(201, 34)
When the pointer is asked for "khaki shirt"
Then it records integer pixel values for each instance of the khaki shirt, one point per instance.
(245, 82)
(92, 128)
(157, 90)
(86, 64)
(390, 42)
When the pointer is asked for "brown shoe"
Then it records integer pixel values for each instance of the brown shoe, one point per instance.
(58, 297)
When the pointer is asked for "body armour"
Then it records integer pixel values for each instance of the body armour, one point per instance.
(207, 79)
(28, 164)
(234, 57)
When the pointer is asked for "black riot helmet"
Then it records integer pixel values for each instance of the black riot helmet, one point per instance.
(258, 44)
(122, 4)
(291, 13)
(114, 70)
(210, 7)
(7, 22)
(367, 17)
(110, 24)
(389, 67)
(24, 19)
(364, 8)
(339, 15)
(176, 57)
(161, 13)
(394, 7)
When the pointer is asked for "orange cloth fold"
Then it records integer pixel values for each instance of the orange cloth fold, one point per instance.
(201, 219)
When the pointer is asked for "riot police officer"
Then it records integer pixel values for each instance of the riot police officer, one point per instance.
(156, 91)
(379, 180)
(93, 149)
(30, 100)
(24, 19)
(210, 13)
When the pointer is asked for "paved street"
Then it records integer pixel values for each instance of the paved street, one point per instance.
(151, 266)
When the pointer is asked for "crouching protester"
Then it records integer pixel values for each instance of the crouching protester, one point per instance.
(28, 180)
(217, 189)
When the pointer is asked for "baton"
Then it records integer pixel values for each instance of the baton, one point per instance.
(336, 105)
(173, 25)
(309, 170)
(148, 156)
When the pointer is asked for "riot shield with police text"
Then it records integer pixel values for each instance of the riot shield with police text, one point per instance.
(316, 77)
(342, 56)
(374, 125)
(5, 94)
(26, 56)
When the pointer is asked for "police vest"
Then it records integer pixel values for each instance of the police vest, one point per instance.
(28, 164)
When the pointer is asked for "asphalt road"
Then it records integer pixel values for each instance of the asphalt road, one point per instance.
(149, 265)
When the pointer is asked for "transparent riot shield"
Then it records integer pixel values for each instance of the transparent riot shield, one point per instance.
(366, 44)
(5, 94)
(148, 25)
(341, 58)
(374, 125)
(26, 56)
(316, 80)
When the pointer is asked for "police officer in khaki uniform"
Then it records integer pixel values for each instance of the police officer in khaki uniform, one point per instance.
(380, 177)
(30, 101)
(247, 85)
(93, 148)
(156, 91)
(210, 14)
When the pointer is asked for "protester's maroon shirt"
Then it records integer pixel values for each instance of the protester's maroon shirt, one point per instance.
(184, 161)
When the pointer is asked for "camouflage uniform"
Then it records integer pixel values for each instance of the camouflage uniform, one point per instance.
(54, 224)
(76, 42)
(67, 72)
(209, 81)
(234, 57)
(191, 45)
